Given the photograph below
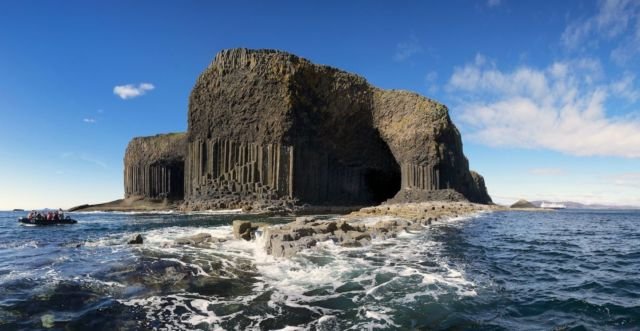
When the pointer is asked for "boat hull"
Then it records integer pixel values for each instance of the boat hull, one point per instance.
(25, 220)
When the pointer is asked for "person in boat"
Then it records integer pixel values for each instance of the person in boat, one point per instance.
(60, 213)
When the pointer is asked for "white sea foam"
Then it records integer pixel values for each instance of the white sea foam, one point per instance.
(19, 245)
(412, 263)
(195, 310)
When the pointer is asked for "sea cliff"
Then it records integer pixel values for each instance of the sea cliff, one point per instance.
(268, 130)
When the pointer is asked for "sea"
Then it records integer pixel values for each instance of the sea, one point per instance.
(506, 270)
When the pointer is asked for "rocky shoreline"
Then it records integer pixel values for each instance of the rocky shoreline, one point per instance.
(356, 229)
(133, 204)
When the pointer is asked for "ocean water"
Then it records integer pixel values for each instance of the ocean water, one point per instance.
(565, 270)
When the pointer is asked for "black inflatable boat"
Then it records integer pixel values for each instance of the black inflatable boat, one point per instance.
(25, 220)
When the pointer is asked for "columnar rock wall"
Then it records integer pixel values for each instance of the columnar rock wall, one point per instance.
(216, 168)
(154, 167)
(269, 125)
(426, 143)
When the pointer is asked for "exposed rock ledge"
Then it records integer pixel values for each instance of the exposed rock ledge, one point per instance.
(356, 229)
(129, 204)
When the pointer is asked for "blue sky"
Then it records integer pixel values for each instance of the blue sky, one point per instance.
(545, 93)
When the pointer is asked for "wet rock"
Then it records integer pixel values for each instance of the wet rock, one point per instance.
(48, 321)
(241, 229)
(194, 240)
(327, 323)
(357, 229)
(136, 240)
(246, 230)
(289, 248)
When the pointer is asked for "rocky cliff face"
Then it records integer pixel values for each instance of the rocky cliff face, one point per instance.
(154, 167)
(267, 125)
(426, 144)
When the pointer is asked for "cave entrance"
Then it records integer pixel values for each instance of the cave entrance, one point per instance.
(383, 184)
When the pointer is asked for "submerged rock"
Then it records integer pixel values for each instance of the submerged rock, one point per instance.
(242, 229)
(136, 240)
(246, 229)
(194, 240)
(48, 321)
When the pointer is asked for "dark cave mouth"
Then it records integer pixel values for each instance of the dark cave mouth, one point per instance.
(382, 185)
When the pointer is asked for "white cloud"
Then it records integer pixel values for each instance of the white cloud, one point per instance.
(625, 87)
(407, 49)
(493, 3)
(616, 21)
(561, 108)
(130, 91)
(430, 81)
(89, 120)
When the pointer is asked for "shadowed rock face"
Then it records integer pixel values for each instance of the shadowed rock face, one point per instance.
(154, 167)
(267, 125)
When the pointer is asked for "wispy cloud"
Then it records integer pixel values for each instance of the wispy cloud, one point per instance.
(561, 108)
(625, 87)
(493, 3)
(616, 21)
(407, 49)
(84, 158)
(630, 179)
(89, 120)
(431, 82)
(130, 91)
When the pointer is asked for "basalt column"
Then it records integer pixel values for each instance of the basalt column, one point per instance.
(154, 167)
(218, 168)
(426, 143)
(268, 125)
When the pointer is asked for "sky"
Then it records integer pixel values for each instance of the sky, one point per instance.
(544, 93)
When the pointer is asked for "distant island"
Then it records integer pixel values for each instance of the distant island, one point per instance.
(578, 205)
(523, 204)
(271, 131)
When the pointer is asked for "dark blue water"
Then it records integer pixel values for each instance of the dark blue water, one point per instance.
(567, 270)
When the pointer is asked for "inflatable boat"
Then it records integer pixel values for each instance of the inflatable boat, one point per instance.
(25, 220)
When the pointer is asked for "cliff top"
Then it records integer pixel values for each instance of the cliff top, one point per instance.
(167, 147)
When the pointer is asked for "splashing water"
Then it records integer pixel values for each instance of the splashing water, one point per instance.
(503, 270)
